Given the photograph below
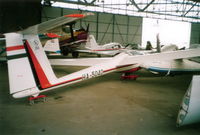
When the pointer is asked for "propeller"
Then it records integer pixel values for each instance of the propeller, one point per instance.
(88, 27)
(158, 43)
(83, 29)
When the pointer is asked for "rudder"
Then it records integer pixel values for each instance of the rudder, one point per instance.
(91, 43)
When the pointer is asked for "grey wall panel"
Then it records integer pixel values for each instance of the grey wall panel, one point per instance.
(121, 19)
(135, 30)
(105, 27)
(195, 34)
(121, 29)
(50, 13)
(105, 18)
(70, 11)
(134, 39)
(92, 18)
(135, 21)
(119, 38)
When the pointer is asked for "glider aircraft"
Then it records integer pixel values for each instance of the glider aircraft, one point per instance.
(24, 49)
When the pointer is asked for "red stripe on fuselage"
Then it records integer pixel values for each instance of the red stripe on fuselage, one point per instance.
(118, 67)
(14, 48)
(109, 69)
(44, 82)
(68, 81)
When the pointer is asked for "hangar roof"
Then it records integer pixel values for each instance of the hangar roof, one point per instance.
(182, 10)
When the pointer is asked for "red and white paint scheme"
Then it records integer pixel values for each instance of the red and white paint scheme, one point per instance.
(30, 72)
(20, 73)
(23, 83)
(24, 49)
(90, 46)
(37, 75)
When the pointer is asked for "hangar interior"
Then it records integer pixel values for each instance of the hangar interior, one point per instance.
(104, 26)
(105, 105)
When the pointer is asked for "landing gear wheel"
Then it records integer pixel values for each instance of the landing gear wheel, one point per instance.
(75, 54)
(65, 51)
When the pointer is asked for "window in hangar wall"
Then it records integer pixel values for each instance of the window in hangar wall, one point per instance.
(170, 32)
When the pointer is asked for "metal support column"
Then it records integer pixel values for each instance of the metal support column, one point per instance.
(61, 12)
(97, 26)
(113, 28)
(127, 30)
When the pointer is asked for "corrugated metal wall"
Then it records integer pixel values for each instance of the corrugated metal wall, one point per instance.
(105, 27)
(195, 34)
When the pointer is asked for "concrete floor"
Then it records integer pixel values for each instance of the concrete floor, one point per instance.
(101, 106)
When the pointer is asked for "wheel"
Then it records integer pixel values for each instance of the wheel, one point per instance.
(75, 54)
(65, 51)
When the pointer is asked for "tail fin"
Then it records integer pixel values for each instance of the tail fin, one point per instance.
(158, 43)
(91, 43)
(42, 67)
(52, 46)
(165, 48)
(28, 66)
(21, 79)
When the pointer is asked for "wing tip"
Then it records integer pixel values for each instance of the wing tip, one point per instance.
(79, 15)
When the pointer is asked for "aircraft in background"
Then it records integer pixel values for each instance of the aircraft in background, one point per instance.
(24, 49)
(69, 43)
(90, 46)
(109, 49)
(149, 49)
(52, 46)
(171, 67)
(70, 38)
